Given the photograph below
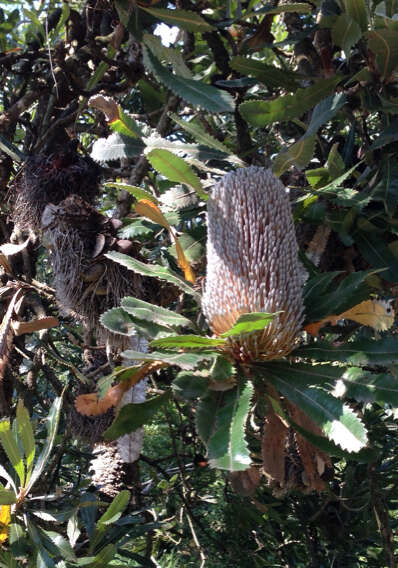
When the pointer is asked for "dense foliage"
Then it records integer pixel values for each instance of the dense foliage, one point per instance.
(116, 120)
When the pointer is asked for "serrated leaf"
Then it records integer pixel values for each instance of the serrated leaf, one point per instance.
(299, 154)
(173, 168)
(186, 361)
(117, 320)
(189, 386)
(153, 271)
(201, 135)
(53, 419)
(360, 352)
(247, 323)
(386, 136)
(227, 447)
(270, 75)
(206, 415)
(387, 188)
(322, 296)
(376, 252)
(194, 92)
(187, 342)
(287, 107)
(168, 54)
(179, 197)
(115, 509)
(137, 192)
(136, 228)
(330, 448)
(115, 147)
(384, 43)
(368, 387)
(25, 434)
(336, 420)
(185, 19)
(150, 312)
(133, 416)
(11, 449)
(346, 32)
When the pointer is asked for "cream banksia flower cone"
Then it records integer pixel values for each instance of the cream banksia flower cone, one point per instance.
(252, 263)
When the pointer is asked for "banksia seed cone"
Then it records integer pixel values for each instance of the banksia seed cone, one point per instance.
(252, 263)
(50, 179)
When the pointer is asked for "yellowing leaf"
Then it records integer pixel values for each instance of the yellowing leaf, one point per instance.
(91, 405)
(377, 314)
(150, 210)
(5, 521)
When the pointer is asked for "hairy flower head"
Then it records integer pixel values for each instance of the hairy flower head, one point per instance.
(252, 263)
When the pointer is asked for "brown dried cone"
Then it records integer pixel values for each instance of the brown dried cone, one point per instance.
(50, 179)
(252, 263)
(87, 283)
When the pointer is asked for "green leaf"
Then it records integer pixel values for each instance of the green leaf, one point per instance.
(203, 137)
(299, 154)
(11, 449)
(58, 545)
(360, 352)
(305, 374)
(270, 75)
(346, 32)
(287, 107)
(323, 297)
(193, 92)
(184, 360)
(375, 251)
(174, 168)
(153, 271)
(386, 136)
(125, 124)
(330, 448)
(115, 147)
(384, 43)
(137, 192)
(370, 387)
(335, 164)
(227, 447)
(187, 342)
(25, 433)
(357, 10)
(185, 19)
(206, 415)
(337, 421)
(53, 419)
(115, 509)
(120, 321)
(193, 249)
(387, 188)
(222, 369)
(133, 416)
(189, 386)
(150, 312)
(247, 323)
(7, 496)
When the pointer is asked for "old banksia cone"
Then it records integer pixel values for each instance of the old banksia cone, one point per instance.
(252, 262)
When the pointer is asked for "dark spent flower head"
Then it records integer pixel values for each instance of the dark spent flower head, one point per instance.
(252, 263)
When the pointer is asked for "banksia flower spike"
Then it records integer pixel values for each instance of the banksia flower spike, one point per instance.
(252, 263)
